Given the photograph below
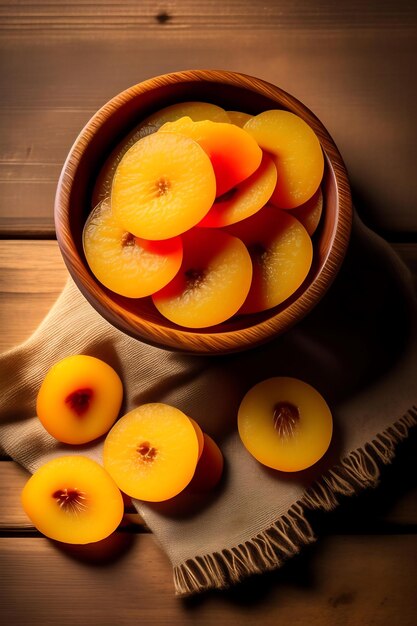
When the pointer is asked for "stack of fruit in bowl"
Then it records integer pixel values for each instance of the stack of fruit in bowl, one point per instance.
(209, 212)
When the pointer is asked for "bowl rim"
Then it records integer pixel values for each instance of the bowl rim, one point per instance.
(191, 340)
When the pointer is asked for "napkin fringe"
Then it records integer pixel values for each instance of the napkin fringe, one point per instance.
(271, 547)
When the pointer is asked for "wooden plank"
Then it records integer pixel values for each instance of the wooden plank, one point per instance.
(341, 580)
(32, 274)
(344, 61)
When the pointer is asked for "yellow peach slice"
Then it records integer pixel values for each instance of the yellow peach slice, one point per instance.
(163, 186)
(73, 499)
(309, 213)
(281, 253)
(234, 154)
(200, 436)
(296, 151)
(213, 281)
(79, 399)
(285, 424)
(152, 452)
(245, 199)
(239, 118)
(197, 111)
(126, 264)
(209, 468)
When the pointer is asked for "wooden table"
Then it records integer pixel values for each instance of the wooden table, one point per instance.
(354, 66)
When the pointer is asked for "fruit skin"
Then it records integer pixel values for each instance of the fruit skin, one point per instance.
(246, 198)
(200, 436)
(163, 186)
(79, 399)
(128, 265)
(213, 281)
(152, 452)
(296, 151)
(209, 468)
(234, 154)
(301, 445)
(93, 517)
(281, 252)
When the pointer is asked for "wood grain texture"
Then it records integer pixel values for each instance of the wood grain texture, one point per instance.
(346, 580)
(344, 60)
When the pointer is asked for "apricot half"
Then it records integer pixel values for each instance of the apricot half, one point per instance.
(73, 499)
(245, 199)
(281, 253)
(309, 213)
(79, 399)
(213, 281)
(238, 118)
(163, 186)
(126, 264)
(285, 424)
(152, 452)
(234, 154)
(209, 468)
(297, 154)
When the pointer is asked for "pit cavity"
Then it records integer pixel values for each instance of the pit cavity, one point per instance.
(286, 419)
(128, 239)
(146, 451)
(194, 278)
(163, 185)
(72, 500)
(79, 400)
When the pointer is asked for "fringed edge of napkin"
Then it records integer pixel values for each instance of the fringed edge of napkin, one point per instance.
(271, 547)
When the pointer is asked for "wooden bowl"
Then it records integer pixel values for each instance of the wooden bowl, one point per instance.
(110, 125)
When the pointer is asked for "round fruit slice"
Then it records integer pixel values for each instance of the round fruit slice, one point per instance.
(297, 154)
(245, 199)
(197, 111)
(209, 468)
(152, 452)
(163, 186)
(309, 213)
(281, 252)
(234, 154)
(126, 264)
(73, 499)
(238, 118)
(213, 281)
(79, 399)
(285, 424)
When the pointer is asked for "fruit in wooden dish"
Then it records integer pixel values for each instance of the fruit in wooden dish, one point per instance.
(126, 264)
(281, 253)
(213, 281)
(285, 424)
(151, 452)
(234, 154)
(239, 118)
(297, 154)
(245, 199)
(209, 468)
(74, 500)
(163, 186)
(309, 213)
(197, 111)
(79, 399)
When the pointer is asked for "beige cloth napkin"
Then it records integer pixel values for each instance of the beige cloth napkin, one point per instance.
(358, 348)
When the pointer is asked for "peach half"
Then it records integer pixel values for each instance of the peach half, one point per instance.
(79, 399)
(74, 500)
(281, 253)
(163, 186)
(238, 118)
(126, 264)
(234, 154)
(209, 468)
(213, 281)
(152, 452)
(296, 151)
(245, 199)
(285, 424)
(309, 213)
